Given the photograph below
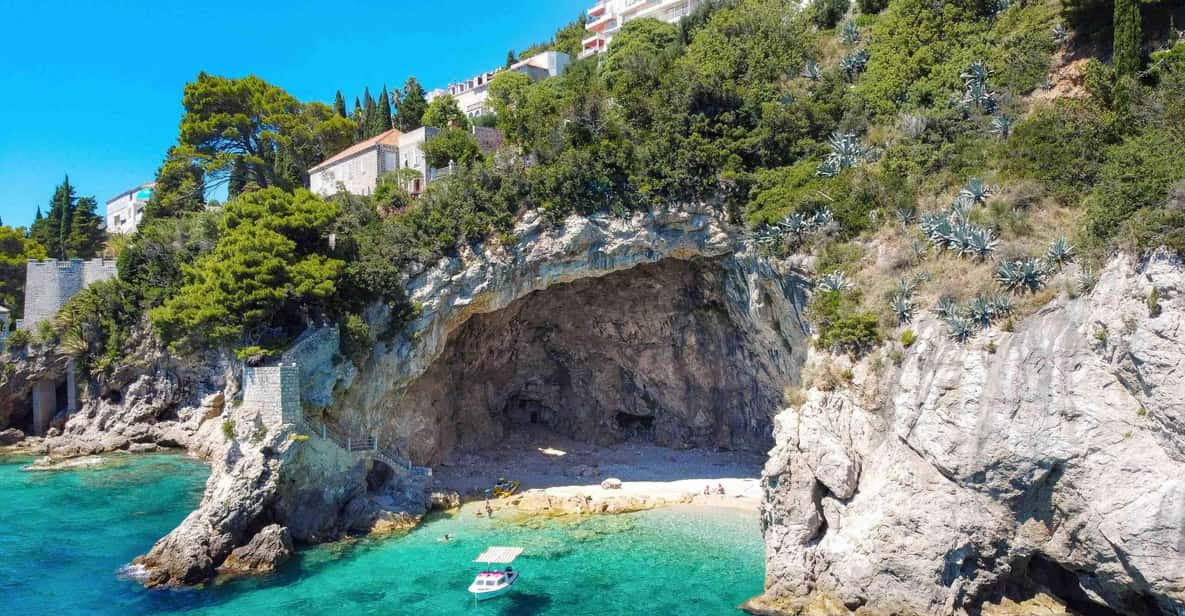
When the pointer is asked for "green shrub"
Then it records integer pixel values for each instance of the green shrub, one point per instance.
(228, 429)
(1023, 46)
(1137, 174)
(1154, 302)
(842, 324)
(827, 13)
(839, 256)
(17, 339)
(908, 338)
(1062, 145)
(357, 338)
(871, 7)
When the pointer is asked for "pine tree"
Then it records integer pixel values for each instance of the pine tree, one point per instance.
(339, 104)
(1128, 37)
(383, 113)
(412, 105)
(86, 236)
(510, 59)
(238, 179)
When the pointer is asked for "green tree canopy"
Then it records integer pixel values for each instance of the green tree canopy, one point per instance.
(181, 187)
(15, 249)
(64, 237)
(413, 102)
(443, 113)
(257, 284)
(451, 145)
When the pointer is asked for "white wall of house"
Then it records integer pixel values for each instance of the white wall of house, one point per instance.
(473, 94)
(608, 16)
(411, 156)
(357, 174)
(125, 212)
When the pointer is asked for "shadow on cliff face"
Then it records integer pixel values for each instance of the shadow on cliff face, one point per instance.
(667, 353)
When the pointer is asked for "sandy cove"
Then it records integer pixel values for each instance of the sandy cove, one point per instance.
(558, 476)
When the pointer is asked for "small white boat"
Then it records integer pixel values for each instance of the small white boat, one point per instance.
(493, 582)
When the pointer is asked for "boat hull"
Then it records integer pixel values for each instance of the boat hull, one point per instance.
(489, 593)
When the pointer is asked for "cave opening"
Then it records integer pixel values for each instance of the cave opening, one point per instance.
(1042, 574)
(378, 477)
(670, 354)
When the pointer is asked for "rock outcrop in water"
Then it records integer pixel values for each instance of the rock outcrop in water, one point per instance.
(705, 363)
(1051, 459)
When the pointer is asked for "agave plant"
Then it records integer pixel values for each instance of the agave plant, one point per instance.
(1002, 126)
(846, 151)
(854, 63)
(976, 191)
(907, 215)
(977, 94)
(999, 6)
(811, 70)
(795, 225)
(1060, 34)
(766, 236)
(1022, 275)
(980, 311)
(1059, 253)
(787, 99)
(1002, 304)
(905, 287)
(902, 305)
(821, 218)
(849, 33)
(978, 72)
(835, 281)
(918, 248)
(980, 243)
(946, 307)
(960, 327)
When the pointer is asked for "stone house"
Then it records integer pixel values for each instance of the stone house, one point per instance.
(357, 169)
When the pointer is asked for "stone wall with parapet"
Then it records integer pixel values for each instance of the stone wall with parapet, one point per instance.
(50, 284)
(272, 393)
(316, 355)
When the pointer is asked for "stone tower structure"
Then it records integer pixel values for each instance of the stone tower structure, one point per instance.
(50, 284)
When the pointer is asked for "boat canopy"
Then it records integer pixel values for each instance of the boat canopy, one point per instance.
(498, 555)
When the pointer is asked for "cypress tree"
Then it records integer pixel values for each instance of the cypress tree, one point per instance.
(1128, 36)
(510, 59)
(368, 111)
(86, 237)
(39, 231)
(53, 230)
(339, 104)
(357, 117)
(383, 113)
(412, 105)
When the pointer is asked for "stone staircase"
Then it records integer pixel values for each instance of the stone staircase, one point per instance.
(363, 446)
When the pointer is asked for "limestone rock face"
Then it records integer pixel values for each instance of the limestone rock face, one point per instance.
(1055, 463)
(600, 328)
(268, 549)
(318, 491)
(612, 483)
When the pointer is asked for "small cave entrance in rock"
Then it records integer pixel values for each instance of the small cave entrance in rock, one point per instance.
(379, 477)
(1040, 574)
(665, 362)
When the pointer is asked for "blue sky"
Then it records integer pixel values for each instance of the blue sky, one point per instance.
(93, 89)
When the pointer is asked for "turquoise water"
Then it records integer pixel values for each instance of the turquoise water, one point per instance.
(64, 535)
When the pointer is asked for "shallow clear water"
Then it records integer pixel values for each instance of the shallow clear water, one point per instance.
(63, 536)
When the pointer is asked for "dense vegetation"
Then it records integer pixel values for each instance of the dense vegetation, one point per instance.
(819, 129)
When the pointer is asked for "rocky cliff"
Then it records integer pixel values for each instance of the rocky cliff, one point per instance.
(659, 322)
(1047, 459)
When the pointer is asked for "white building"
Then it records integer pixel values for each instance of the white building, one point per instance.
(473, 94)
(606, 18)
(125, 211)
(357, 168)
(5, 315)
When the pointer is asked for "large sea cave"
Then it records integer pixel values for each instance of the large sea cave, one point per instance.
(679, 353)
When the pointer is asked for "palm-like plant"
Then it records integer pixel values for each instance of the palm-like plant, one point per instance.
(977, 94)
(981, 311)
(1086, 280)
(978, 72)
(835, 281)
(1022, 275)
(811, 70)
(1059, 253)
(1002, 126)
(980, 243)
(849, 33)
(976, 191)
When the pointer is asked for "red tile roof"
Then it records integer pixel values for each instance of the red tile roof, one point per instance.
(390, 137)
